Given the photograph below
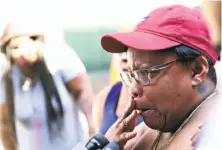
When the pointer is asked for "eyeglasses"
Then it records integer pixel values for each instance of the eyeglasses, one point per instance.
(143, 76)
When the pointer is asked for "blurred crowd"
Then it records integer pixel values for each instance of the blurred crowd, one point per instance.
(48, 99)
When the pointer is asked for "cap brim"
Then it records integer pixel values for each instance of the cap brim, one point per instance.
(120, 42)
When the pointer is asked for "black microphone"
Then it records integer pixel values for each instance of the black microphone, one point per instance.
(97, 142)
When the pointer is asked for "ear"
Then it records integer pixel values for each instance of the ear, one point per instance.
(200, 69)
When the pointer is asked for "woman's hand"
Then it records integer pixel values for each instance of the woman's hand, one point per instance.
(122, 130)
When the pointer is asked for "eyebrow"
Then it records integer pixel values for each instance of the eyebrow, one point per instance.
(145, 65)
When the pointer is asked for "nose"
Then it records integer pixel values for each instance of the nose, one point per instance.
(136, 90)
(27, 46)
(27, 50)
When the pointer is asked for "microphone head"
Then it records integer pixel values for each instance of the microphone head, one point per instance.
(98, 141)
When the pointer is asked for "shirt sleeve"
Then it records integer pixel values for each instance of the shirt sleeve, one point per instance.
(64, 60)
(2, 82)
(2, 92)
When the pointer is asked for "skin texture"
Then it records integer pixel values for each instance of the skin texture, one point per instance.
(165, 103)
(171, 96)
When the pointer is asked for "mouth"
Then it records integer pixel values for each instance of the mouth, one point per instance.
(147, 112)
(24, 61)
(141, 111)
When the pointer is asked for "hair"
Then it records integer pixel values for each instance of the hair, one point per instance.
(54, 116)
(187, 55)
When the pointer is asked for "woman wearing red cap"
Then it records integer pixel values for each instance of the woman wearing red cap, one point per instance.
(110, 102)
(170, 76)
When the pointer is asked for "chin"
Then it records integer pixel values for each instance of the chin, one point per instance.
(162, 127)
(156, 125)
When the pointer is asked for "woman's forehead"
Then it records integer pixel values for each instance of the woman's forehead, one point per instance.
(139, 59)
(19, 39)
(138, 55)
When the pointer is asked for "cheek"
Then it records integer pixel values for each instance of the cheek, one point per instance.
(166, 94)
(15, 54)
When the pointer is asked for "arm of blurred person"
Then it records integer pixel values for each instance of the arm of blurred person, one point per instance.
(98, 107)
(7, 136)
(212, 13)
(82, 90)
(81, 87)
(74, 76)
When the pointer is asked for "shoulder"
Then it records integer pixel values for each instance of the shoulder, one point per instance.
(62, 57)
(3, 70)
(98, 106)
(102, 95)
(3, 65)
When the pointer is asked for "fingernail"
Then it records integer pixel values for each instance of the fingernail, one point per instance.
(191, 137)
(139, 111)
(200, 125)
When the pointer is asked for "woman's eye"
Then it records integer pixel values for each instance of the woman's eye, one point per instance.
(34, 38)
(154, 73)
(144, 72)
(14, 47)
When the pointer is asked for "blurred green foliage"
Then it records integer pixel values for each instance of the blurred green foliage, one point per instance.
(86, 42)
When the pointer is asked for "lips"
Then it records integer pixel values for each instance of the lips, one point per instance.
(24, 60)
(144, 112)
(27, 60)
(147, 112)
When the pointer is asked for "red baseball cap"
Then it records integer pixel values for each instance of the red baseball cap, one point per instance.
(163, 28)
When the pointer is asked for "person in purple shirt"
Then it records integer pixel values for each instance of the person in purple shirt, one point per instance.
(110, 102)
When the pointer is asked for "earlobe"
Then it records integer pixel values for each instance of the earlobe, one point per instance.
(196, 81)
(200, 71)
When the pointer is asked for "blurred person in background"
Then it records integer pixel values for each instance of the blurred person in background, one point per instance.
(115, 69)
(6, 131)
(209, 137)
(42, 91)
(110, 102)
(212, 13)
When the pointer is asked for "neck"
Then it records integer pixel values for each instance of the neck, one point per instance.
(28, 72)
(209, 88)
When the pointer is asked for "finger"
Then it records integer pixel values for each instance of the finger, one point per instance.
(128, 110)
(200, 126)
(127, 136)
(194, 139)
(130, 122)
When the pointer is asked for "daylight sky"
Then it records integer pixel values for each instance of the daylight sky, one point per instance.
(57, 14)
